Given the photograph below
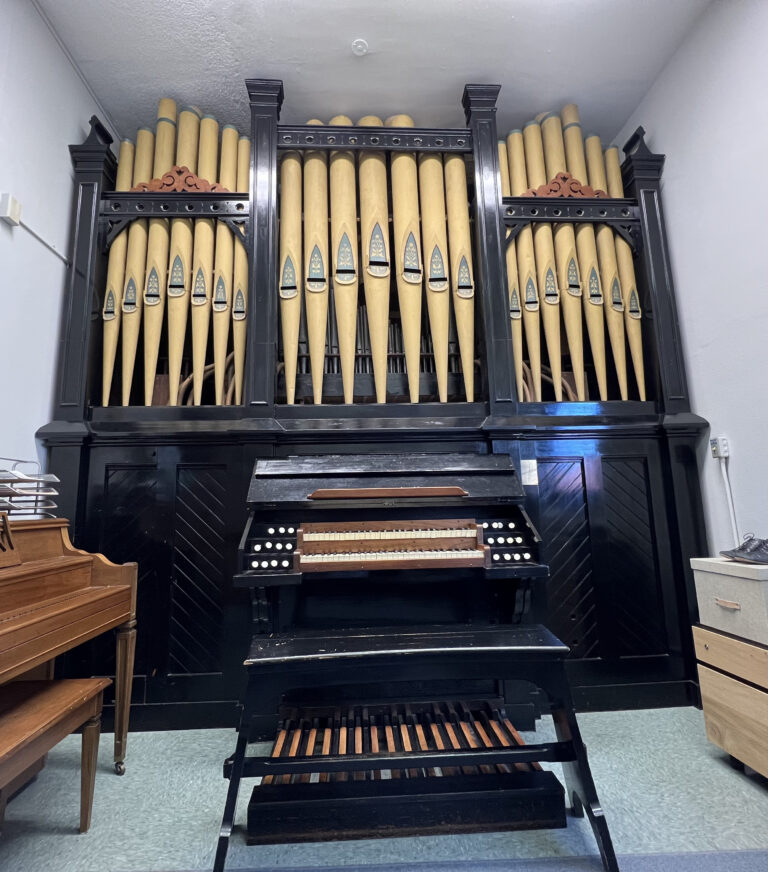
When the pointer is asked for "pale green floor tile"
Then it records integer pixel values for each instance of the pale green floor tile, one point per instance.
(663, 786)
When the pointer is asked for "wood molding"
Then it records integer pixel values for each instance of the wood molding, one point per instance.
(180, 180)
(564, 185)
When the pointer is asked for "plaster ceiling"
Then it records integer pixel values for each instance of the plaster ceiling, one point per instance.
(601, 54)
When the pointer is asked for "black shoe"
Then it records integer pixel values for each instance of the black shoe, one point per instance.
(751, 550)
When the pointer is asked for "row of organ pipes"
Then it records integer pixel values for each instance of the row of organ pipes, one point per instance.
(430, 215)
(556, 268)
(190, 276)
(160, 269)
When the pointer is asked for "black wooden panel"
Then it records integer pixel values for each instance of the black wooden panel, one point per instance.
(566, 548)
(636, 598)
(199, 572)
(129, 526)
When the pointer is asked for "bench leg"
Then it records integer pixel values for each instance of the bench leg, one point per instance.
(91, 733)
(580, 785)
(126, 649)
(228, 820)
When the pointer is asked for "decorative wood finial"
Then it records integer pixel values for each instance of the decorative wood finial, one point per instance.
(564, 185)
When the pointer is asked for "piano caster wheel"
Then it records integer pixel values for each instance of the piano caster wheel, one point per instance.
(120, 768)
(577, 809)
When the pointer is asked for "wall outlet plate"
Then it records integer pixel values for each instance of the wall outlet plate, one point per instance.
(10, 210)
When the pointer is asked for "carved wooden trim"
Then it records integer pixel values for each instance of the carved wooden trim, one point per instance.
(564, 185)
(180, 180)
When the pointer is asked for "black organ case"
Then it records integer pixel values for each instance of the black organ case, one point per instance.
(609, 502)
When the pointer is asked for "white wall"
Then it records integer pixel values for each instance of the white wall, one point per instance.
(707, 113)
(44, 106)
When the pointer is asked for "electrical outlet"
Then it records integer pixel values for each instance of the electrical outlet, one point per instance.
(10, 209)
(719, 447)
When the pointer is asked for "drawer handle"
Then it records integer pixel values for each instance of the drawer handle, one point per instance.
(728, 604)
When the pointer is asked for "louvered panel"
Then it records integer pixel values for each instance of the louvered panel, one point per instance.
(636, 596)
(566, 548)
(199, 571)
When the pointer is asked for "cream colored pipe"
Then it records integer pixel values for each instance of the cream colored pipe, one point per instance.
(316, 260)
(223, 266)
(113, 292)
(609, 270)
(409, 268)
(513, 285)
(433, 229)
(135, 263)
(157, 249)
(344, 257)
(632, 311)
(180, 258)
(374, 236)
(544, 247)
(526, 264)
(202, 258)
(291, 284)
(462, 275)
(240, 278)
(565, 255)
(587, 251)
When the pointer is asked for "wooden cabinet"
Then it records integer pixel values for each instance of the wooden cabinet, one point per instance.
(733, 677)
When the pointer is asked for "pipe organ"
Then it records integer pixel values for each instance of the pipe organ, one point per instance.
(359, 292)
(173, 286)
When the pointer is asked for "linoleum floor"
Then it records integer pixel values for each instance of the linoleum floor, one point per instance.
(664, 789)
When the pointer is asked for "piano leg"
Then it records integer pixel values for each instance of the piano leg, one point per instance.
(126, 649)
(90, 753)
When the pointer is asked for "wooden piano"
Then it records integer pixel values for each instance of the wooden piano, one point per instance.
(54, 597)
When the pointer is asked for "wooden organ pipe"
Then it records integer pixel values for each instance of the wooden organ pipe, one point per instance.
(513, 285)
(609, 270)
(586, 249)
(526, 262)
(626, 266)
(409, 270)
(240, 276)
(180, 258)
(344, 257)
(316, 260)
(565, 255)
(433, 228)
(461, 272)
(113, 292)
(157, 249)
(291, 284)
(202, 258)
(221, 304)
(544, 249)
(135, 263)
(374, 235)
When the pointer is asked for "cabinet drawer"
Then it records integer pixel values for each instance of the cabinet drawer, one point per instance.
(741, 659)
(732, 597)
(736, 718)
